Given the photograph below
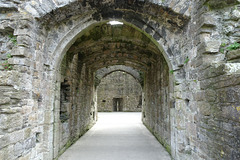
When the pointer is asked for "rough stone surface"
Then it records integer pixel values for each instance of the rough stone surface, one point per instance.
(119, 91)
(50, 51)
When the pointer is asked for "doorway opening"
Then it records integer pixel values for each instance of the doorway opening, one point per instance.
(117, 104)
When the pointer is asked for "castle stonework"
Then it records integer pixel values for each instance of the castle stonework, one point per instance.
(185, 55)
(119, 92)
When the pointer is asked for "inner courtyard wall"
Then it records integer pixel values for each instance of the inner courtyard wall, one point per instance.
(122, 85)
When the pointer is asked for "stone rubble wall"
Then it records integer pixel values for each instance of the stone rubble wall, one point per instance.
(119, 85)
(138, 75)
(24, 120)
(74, 101)
(156, 108)
(209, 78)
(203, 100)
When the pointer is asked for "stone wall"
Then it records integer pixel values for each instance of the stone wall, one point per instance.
(75, 112)
(195, 109)
(119, 85)
(137, 74)
(217, 78)
(156, 111)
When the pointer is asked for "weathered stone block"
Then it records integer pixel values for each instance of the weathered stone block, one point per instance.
(213, 71)
(204, 108)
(15, 94)
(228, 95)
(5, 100)
(227, 126)
(29, 144)
(4, 141)
(11, 122)
(23, 31)
(210, 95)
(11, 110)
(208, 47)
(221, 3)
(7, 153)
(233, 55)
(19, 61)
(25, 157)
(27, 109)
(231, 113)
(16, 136)
(192, 129)
(48, 117)
(235, 15)
(32, 10)
(20, 51)
(221, 81)
(232, 69)
(207, 21)
(199, 96)
(18, 149)
(28, 133)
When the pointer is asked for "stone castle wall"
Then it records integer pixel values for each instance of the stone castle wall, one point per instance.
(185, 48)
(119, 85)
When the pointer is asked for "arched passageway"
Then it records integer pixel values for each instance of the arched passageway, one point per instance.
(183, 53)
(104, 45)
(119, 91)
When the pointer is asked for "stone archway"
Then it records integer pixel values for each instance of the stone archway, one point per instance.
(193, 38)
(118, 91)
(103, 72)
(96, 48)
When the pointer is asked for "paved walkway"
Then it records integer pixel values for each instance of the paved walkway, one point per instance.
(117, 136)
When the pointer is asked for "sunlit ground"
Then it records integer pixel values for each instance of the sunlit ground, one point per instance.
(117, 136)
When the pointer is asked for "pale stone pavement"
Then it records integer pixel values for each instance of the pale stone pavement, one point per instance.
(117, 136)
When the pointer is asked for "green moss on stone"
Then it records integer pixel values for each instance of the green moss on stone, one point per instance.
(218, 4)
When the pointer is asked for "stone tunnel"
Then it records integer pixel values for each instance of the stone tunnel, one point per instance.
(185, 55)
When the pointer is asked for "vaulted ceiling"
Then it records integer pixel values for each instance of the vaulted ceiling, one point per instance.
(106, 45)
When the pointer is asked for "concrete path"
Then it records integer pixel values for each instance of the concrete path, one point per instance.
(117, 136)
